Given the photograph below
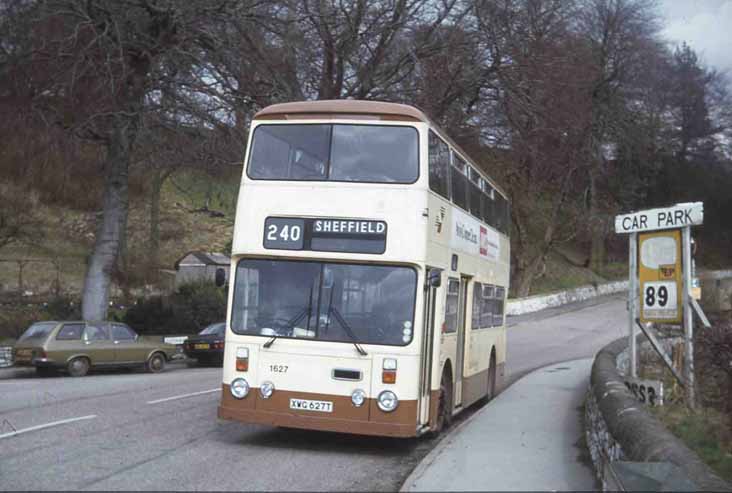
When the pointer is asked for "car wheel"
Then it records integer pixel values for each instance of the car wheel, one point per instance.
(78, 367)
(156, 363)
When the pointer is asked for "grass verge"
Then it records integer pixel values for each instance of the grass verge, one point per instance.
(706, 431)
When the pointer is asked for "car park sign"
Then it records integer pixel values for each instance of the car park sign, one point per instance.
(661, 269)
(677, 216)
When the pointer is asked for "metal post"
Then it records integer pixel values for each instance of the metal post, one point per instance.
(688, 318)
(632, 297)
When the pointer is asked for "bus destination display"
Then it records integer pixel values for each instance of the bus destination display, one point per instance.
(325, 234)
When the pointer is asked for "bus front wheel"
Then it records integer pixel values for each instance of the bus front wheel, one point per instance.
(444, 407)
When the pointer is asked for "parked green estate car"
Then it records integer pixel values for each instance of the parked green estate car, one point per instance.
(78, 346)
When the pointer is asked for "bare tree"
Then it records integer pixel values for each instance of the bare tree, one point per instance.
(541, 75)
(621, 36)
(96, 66)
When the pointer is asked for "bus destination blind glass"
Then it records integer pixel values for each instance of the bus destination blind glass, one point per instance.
(325, 235)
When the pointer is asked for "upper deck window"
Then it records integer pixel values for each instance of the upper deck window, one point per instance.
(350, 153)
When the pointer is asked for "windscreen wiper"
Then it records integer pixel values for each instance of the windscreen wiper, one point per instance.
(292, 322)
(348, 330)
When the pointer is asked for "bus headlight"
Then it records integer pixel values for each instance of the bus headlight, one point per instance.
(266, 389)
(387, 401)
(358, 397)
(239, 388)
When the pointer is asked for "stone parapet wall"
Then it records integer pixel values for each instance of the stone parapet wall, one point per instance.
(618, 427)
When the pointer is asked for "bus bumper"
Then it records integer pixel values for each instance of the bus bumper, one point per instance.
(400, 423)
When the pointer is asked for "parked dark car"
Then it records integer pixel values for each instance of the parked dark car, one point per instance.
(79, 346)
(208, 346)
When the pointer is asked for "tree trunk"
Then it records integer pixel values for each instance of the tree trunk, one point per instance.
(597, 225)
(525, 275)
(154, 239)
(95, 298)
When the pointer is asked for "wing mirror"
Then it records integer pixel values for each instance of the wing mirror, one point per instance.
(220, 277)
(434, 278)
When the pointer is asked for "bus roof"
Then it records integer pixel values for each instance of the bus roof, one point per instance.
(357, 109)
(342, 108)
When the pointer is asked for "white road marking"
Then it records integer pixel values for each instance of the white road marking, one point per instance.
(183, 396)
(47, 425)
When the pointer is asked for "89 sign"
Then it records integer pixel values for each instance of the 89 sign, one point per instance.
(660, 300)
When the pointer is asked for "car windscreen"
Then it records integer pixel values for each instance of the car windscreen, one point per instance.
(38, 331)
(322, 152)
(214, 329)
(368, 304)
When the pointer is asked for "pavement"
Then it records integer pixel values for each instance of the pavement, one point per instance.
(527, 439)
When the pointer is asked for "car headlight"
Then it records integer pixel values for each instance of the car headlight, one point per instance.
(358, 397)
(239, 388)
(387, 401)
(266, 389)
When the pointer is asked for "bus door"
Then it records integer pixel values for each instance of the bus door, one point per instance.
(430, 295)
(460, 351)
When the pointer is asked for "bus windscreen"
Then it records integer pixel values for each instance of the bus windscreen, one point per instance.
(367, 304)
(323, 152)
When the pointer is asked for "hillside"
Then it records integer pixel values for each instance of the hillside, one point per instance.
(68, 235)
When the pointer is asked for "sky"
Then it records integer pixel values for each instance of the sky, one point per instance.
(705, 25)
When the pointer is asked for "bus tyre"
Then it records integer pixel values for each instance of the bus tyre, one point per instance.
(491, 379)
(78, 367)
(444, 407)
(156, 363)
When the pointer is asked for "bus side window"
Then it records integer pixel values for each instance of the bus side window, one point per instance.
(498, 314)
(477, 302)
(476, 196)
(486, 311)
(439, 165)
(459, 182)
(451, 306)
(502, 215)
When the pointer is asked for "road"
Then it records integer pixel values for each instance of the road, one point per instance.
(134, 431)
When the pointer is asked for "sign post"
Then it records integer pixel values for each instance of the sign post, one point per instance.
(660, 274)
(632, 297)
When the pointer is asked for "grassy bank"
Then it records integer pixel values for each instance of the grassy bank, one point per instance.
(706, 431)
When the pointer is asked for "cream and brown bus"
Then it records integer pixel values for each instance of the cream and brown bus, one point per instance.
(370, 267)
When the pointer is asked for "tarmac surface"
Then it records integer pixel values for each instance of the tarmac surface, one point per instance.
(135, 431)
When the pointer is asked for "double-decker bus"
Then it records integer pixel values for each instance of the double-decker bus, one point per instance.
(370, 267)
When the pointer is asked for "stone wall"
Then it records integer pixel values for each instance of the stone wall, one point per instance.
(530, 304)
(618, 427)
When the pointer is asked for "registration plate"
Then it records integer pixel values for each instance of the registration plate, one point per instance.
(308, 405)
(200, 346)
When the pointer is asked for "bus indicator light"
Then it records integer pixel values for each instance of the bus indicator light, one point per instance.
(242, 359)
(389, 373)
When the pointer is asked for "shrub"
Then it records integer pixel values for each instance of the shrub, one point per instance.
(199, 304)
(187, 311)
(148, 315)
(62, 307)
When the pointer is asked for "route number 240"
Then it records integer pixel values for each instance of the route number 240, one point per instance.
(287, 233)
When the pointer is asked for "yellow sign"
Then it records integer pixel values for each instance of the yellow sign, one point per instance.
(660, 275)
